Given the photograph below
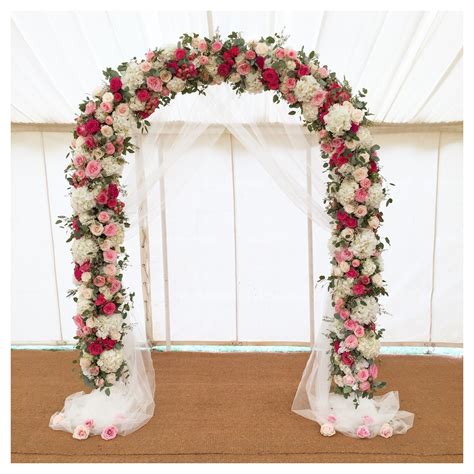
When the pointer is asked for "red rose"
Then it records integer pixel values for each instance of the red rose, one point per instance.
(109, 308)
(180, 53)
(101, 198)
(373, 168)
(226, 55)
(346, 359)
(354, 127)
(117, 97)
(351, 222)
(115, 84)
(108, 343)
(92, 126)
(303, 70)
(352, 273)
(358, 289)
(100, 300)
(271, 79)
(341, 160)
(223, 70)
(336, 346)
(234, 51)
(343, 96)
(81, 130)
(364, 279)
(111, 203)
(77, 272)
(143, 95)
(113, 191)
(95, 348)
(90, 142)
(260, 61)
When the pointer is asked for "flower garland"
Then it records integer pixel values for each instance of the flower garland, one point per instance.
(355, 191)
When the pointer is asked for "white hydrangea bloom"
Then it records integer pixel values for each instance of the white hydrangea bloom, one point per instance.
(305, 88)
(136, 105)
(310, 113)
(342, 288)
(369, 347)
(367, 313)
(133, 77)
(365, 138)
(83, 305)
(84, 249)
(108, 325)
(253, 84)
(110, 361)
(368, 267)
(345, 194)
(83, 200)
(176, 85)
(364, 243)
(338, 119)
(118, 238)
(375, 195)
(111, 166)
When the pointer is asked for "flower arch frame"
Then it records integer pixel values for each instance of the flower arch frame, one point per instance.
(355, 191)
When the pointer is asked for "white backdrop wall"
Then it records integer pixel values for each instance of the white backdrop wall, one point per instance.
(238, 266)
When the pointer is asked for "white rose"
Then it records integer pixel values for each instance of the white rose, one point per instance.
(344, 266)
(261, 49)
(351, 144)
(86, 277)
(349, 208)
(91, 322)
(106, 131)
(357, 115)
(377, 279)
(374, 222)
(347, 234)
(290, 65)
(328, 429)
(108, 97)
(364, 156)
(360, 173)
(98, 91)
(110, 378)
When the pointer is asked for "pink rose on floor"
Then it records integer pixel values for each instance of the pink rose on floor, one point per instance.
(364, 386)
(154, 83)
(362, 375)
(80, 432)
(110, 256)
(99, 281)
(109, 308)
(110, 230)
(351, 342)
(93, 169)
(359, 331)
(386, 431)
(109, 432)
(109, 148)
(89, 423)
(365, 183)
(332, 419)
(110, 270)
(360, 195)
(58, 419)
(363, 432)
(373, 371)
(348, 380)
(103, 216)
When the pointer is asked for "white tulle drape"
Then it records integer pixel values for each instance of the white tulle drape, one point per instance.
(300, 176)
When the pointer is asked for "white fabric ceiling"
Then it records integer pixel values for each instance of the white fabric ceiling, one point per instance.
(411, 62)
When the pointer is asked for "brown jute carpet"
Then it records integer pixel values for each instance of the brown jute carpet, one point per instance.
(235, 408)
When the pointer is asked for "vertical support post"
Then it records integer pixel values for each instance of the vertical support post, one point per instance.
(164, 250)
(144, 247)
(309, 190)
(236, 273)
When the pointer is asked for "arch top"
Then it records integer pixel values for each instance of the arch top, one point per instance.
(355, 190)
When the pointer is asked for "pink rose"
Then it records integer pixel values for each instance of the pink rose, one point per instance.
(110, 256)
(361, 211)
(355, 263)
(110, 230)
(216, 46)
(243, 68)
(145, 66)
(103, 216)
(80, 432)
(115, 286)
(365, 183)
(332, 419)
(339, 305)
(359, 330)
(323, 72)
(79, 161)
(99, 383)
(109, 148)
(109, 432)
(346, 254)
(344, 313)
(358, 289)
(154, 83)
(364, 386)
(362, 375)
(386, 431)
(291, 53)
(106, 107)
(362, 431)
(290, 83)
(318, 98)
(360, 195)
(109, 308)
(90, 108)
(94, 371)
(350, 324)
(348, 380)
(351, 342)
(280, 53)
(99, 281)
(203, 60)
(202, 45)
(373, 371)
(89, 423)
(110, 270)
(79, 322)
(150, 55)
(93, 169)
(250, 54)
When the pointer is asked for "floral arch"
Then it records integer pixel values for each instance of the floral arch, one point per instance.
(355, 191)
